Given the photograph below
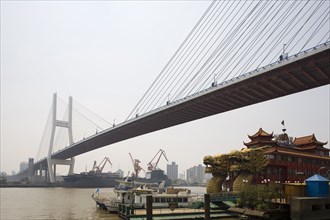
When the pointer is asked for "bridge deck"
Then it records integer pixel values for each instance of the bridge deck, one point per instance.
(305, 71)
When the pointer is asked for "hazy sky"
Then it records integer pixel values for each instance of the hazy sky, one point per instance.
(105, 54)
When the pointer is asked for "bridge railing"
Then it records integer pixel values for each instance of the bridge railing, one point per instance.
(202, 92)
(232, 80)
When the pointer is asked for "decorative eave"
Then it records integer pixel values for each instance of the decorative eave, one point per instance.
(304, 148)
(261, 133)
(295, 153)
(310, 139)
(259, 142)
(302, 154)
(321, 143)
(269, 150)
(310, 148)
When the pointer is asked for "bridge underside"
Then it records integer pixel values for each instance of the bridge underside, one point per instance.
(284, 79)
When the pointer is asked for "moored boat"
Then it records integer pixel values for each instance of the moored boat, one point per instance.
(91, 180)
(135, 195)
(172, 197)
(95, 178)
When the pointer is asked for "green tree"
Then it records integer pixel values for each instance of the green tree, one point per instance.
(256, 196)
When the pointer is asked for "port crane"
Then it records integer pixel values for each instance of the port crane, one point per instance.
(136, 166)
(99, 168)
(153, 165)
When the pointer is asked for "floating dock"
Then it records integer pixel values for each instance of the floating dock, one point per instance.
(179, 213)
(126, 212)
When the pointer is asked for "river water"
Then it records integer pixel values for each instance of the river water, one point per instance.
(55, 203)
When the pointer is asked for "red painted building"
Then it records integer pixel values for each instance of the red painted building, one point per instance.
(290, 160)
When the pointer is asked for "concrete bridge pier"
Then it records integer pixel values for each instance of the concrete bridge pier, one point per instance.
(57, 123)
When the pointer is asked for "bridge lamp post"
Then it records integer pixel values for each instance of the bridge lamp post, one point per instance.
(214, 80)
(168, 99)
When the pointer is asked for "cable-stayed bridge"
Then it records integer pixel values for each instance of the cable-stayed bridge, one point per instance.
(239, 53)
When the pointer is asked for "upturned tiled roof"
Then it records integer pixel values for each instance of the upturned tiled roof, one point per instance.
(310, 139)
(261, 133)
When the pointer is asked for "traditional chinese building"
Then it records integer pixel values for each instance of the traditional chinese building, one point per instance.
(290, 160)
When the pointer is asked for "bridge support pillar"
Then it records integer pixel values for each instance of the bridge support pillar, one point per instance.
(40, 170)
(46, 175)
(57, 123)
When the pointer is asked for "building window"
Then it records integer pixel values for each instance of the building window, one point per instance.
(289, 159)
(299, 160)
(270, 156)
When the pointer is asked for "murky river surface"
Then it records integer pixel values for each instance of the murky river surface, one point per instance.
(54, 203)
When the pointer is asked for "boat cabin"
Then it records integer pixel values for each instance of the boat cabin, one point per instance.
(178, 198)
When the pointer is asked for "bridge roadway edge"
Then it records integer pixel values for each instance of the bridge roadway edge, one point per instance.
(306, 73)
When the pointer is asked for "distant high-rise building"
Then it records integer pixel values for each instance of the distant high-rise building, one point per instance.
(172, 171)
(196, 174)
(120, 172)
(30, 167)
(23, 166)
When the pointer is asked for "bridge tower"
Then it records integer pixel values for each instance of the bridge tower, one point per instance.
(57, 123)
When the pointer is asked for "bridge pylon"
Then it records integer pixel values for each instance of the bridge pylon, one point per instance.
(65, 124)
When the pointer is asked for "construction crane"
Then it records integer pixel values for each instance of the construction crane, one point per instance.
(153, 165)
(136, 166)
(99, 168)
